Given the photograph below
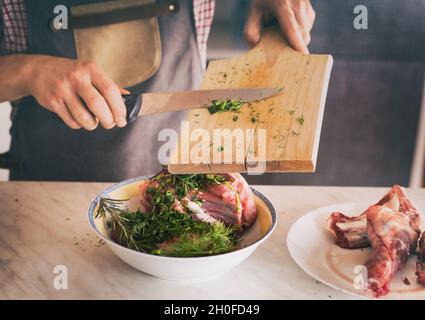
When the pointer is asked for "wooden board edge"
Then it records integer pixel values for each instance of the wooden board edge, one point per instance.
(289, 166)
(205, 168)
(316, 141)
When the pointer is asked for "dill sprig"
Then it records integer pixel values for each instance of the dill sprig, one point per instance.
(218, 239)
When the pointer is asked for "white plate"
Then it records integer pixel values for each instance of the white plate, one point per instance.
(313, 248)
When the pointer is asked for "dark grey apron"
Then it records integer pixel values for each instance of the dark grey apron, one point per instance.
(44, 148)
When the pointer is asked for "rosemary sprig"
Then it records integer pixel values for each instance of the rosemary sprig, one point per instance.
(119, 223)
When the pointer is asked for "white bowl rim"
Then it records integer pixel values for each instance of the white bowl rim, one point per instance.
(153, 256)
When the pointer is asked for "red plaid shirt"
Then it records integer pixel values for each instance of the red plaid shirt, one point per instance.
(14, 30)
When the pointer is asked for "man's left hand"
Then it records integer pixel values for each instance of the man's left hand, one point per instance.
(295, 18)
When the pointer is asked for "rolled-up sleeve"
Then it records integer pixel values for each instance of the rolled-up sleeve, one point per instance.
(13, 27)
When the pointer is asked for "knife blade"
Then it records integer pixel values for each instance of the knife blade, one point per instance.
(153, 103)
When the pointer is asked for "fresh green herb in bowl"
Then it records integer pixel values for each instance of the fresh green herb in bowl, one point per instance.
(167, 232)
(181, 215)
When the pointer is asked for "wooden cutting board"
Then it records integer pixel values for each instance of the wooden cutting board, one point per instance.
(281, 134)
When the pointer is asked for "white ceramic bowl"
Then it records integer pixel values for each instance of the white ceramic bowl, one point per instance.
(184, 268)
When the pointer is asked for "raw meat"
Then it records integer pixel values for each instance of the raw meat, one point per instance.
(349, 232)
(420, 264)
(249, 211)
(393, 227)
(231, 201)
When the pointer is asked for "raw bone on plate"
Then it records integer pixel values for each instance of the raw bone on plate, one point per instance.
(393, 228)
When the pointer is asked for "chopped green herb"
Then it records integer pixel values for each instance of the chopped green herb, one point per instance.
(225, 105)
(235, 118)
(220, 148)
(300, 120)
(291, 112)
(253, 119)
(185, 182)
(196, 200)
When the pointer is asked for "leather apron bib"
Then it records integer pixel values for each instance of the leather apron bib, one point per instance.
(44, 148)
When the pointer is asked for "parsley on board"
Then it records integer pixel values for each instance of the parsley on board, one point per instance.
(225, 105)
(300, 120)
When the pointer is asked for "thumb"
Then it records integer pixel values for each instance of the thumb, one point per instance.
(252, 30)
(124, 91)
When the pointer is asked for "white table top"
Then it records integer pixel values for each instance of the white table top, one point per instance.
(43, 225)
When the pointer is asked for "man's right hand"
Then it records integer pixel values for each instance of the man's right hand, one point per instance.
(61, 85)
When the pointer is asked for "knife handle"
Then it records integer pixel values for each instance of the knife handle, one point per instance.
(132, 101)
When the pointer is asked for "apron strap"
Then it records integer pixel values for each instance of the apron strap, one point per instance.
(121, 15)
(5, 160)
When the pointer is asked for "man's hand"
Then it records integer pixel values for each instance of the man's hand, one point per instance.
(295, 17)
(62, 85)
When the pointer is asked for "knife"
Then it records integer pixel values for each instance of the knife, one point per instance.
(153, 103)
